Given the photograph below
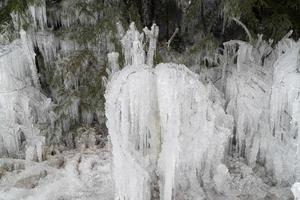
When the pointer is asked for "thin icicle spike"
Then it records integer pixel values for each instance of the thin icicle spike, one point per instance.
(152, 36)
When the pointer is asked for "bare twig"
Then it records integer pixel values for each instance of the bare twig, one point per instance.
(172, 38)
(244, 27)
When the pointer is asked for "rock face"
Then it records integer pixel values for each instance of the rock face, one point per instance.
(168, 130)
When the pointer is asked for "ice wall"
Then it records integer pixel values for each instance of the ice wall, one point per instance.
(168, 130)
(262, 89)
(22, 107)
(195, 132)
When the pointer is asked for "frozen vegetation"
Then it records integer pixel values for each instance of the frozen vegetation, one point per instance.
(228, 132)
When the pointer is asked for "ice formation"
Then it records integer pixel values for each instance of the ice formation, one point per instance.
(23, 107)
(296, 190)
(262, 92)
(158, 116)
(174, 135)
(70, 175)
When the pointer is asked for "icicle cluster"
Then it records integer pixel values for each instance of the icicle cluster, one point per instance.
(39, 14)
(22, 106)
(168, 130)
(262, 90)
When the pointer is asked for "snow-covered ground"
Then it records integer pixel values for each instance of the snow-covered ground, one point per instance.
(72, 175)
(86, 175)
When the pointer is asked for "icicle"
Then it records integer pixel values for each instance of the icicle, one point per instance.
(28, 48)
(132, 46)
(152, 37)
(138, 53)
(22, 106)
(38, 14)
(262, 90)
(120, 30)
(113, 62)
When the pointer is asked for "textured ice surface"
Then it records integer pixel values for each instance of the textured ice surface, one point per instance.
(155, 118)
(168, 130)
(262, 90)
(170, 134)
(22, 106)
(72, 175)
(172, 139)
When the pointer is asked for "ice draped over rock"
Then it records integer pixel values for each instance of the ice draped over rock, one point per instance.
(22, 106)
(168, 130)
(262, 91)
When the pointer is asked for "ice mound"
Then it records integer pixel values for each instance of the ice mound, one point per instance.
(168, 130)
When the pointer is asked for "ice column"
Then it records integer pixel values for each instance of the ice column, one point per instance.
(168, 130)
(22, 106)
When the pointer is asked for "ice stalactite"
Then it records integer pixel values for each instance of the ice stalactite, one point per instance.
(168, 130)
(262, 90)
(113, 62)
(195, 132)
(283, 153)
(28, 49)
(39, 14)
(152, 36)
(47, 44)
(22, 106)
(134, 135)
(71, 13)
(132, 43)
(247, 91)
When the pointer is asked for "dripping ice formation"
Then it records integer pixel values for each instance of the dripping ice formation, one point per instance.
(262, 90)
(158, 116)
(173, 129)
(22, 107)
